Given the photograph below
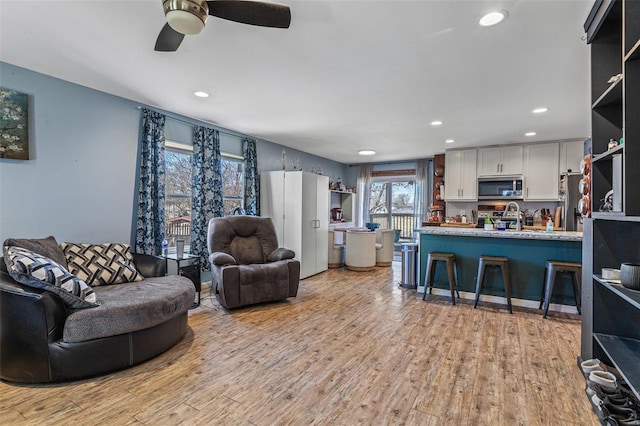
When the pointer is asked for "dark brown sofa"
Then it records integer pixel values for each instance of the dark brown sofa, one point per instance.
(43, 340)
(247, 266)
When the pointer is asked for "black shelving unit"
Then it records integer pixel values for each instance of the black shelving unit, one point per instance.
(611, 326)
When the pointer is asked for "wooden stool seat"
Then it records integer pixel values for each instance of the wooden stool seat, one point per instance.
(551, 269)
(452, 274)
(503, 264)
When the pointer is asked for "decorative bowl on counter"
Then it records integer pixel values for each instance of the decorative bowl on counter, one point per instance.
(372, 226)
(630, 275)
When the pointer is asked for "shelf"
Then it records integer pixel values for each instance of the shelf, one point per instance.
(634, 53)
(630, 296)
(596, 17)
(611, 96)
(625, 356)
(611, 312)
(616, 216)
(607, 155)
(607, 215)
(341, 192)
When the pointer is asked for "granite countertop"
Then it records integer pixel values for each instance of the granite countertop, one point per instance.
(522, 235)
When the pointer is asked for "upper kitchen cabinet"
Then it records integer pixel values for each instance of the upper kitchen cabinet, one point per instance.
(460, 175)
(500, 160)
(571, 153)
(541, 171)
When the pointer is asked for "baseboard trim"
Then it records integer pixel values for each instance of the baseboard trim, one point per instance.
(524, 303)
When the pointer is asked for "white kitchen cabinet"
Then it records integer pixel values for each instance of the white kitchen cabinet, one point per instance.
(571, 154)
(297, 203)
(460, 178)
(500, 160)
(541, 171)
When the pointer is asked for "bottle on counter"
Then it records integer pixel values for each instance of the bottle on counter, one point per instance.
(549, 225)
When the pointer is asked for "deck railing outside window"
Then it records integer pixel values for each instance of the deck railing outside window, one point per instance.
(402, 221)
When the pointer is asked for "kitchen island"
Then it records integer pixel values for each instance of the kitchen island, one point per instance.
(526, 250)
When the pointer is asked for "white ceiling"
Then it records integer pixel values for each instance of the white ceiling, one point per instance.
(346, 75)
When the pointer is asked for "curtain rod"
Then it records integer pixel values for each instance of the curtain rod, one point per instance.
(194, 122)
(392, 162)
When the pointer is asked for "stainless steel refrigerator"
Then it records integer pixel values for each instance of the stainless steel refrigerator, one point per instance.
(570, 196)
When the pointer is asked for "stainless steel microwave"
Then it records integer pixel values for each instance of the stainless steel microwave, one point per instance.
(500, 188)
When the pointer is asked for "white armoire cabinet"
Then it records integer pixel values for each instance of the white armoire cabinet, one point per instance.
(297, 203)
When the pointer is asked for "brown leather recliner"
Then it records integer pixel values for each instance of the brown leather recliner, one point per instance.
(247, 266)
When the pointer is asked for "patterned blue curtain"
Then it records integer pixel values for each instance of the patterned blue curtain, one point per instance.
(251, 178)
(150, 228)
(206, 201)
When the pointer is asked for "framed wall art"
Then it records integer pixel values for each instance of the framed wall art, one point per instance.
(14, 127)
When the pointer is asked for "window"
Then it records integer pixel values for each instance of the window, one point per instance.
(178, 173)
(232, 183)
(392, 204)
(178, 176)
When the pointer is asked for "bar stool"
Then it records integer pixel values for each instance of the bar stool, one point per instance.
(450, 261)
(361, 251)
(492, 261)
(551, 269)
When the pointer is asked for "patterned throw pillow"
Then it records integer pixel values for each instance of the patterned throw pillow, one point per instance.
(101, 264)
(35, 270)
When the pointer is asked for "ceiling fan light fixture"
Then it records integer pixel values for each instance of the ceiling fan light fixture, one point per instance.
(186, 16)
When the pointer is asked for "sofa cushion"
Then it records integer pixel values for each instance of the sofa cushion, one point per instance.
(131, 307)
(34, 270)
(47, 247)
(101, 264)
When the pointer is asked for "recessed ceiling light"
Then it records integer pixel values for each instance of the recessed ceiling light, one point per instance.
(366, 152)
(493, 18)
(540, 110)
(201, 94)
(530, 134)
(436, 123)
(449, 141)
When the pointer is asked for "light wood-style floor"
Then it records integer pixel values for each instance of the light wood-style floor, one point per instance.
(352, 348)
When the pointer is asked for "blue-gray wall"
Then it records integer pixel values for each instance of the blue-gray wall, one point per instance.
(80, 184)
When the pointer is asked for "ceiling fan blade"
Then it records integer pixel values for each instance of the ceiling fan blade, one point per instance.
(168, 40)
(251, 12)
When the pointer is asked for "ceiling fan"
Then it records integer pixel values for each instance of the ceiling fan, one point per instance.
(189, 17)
